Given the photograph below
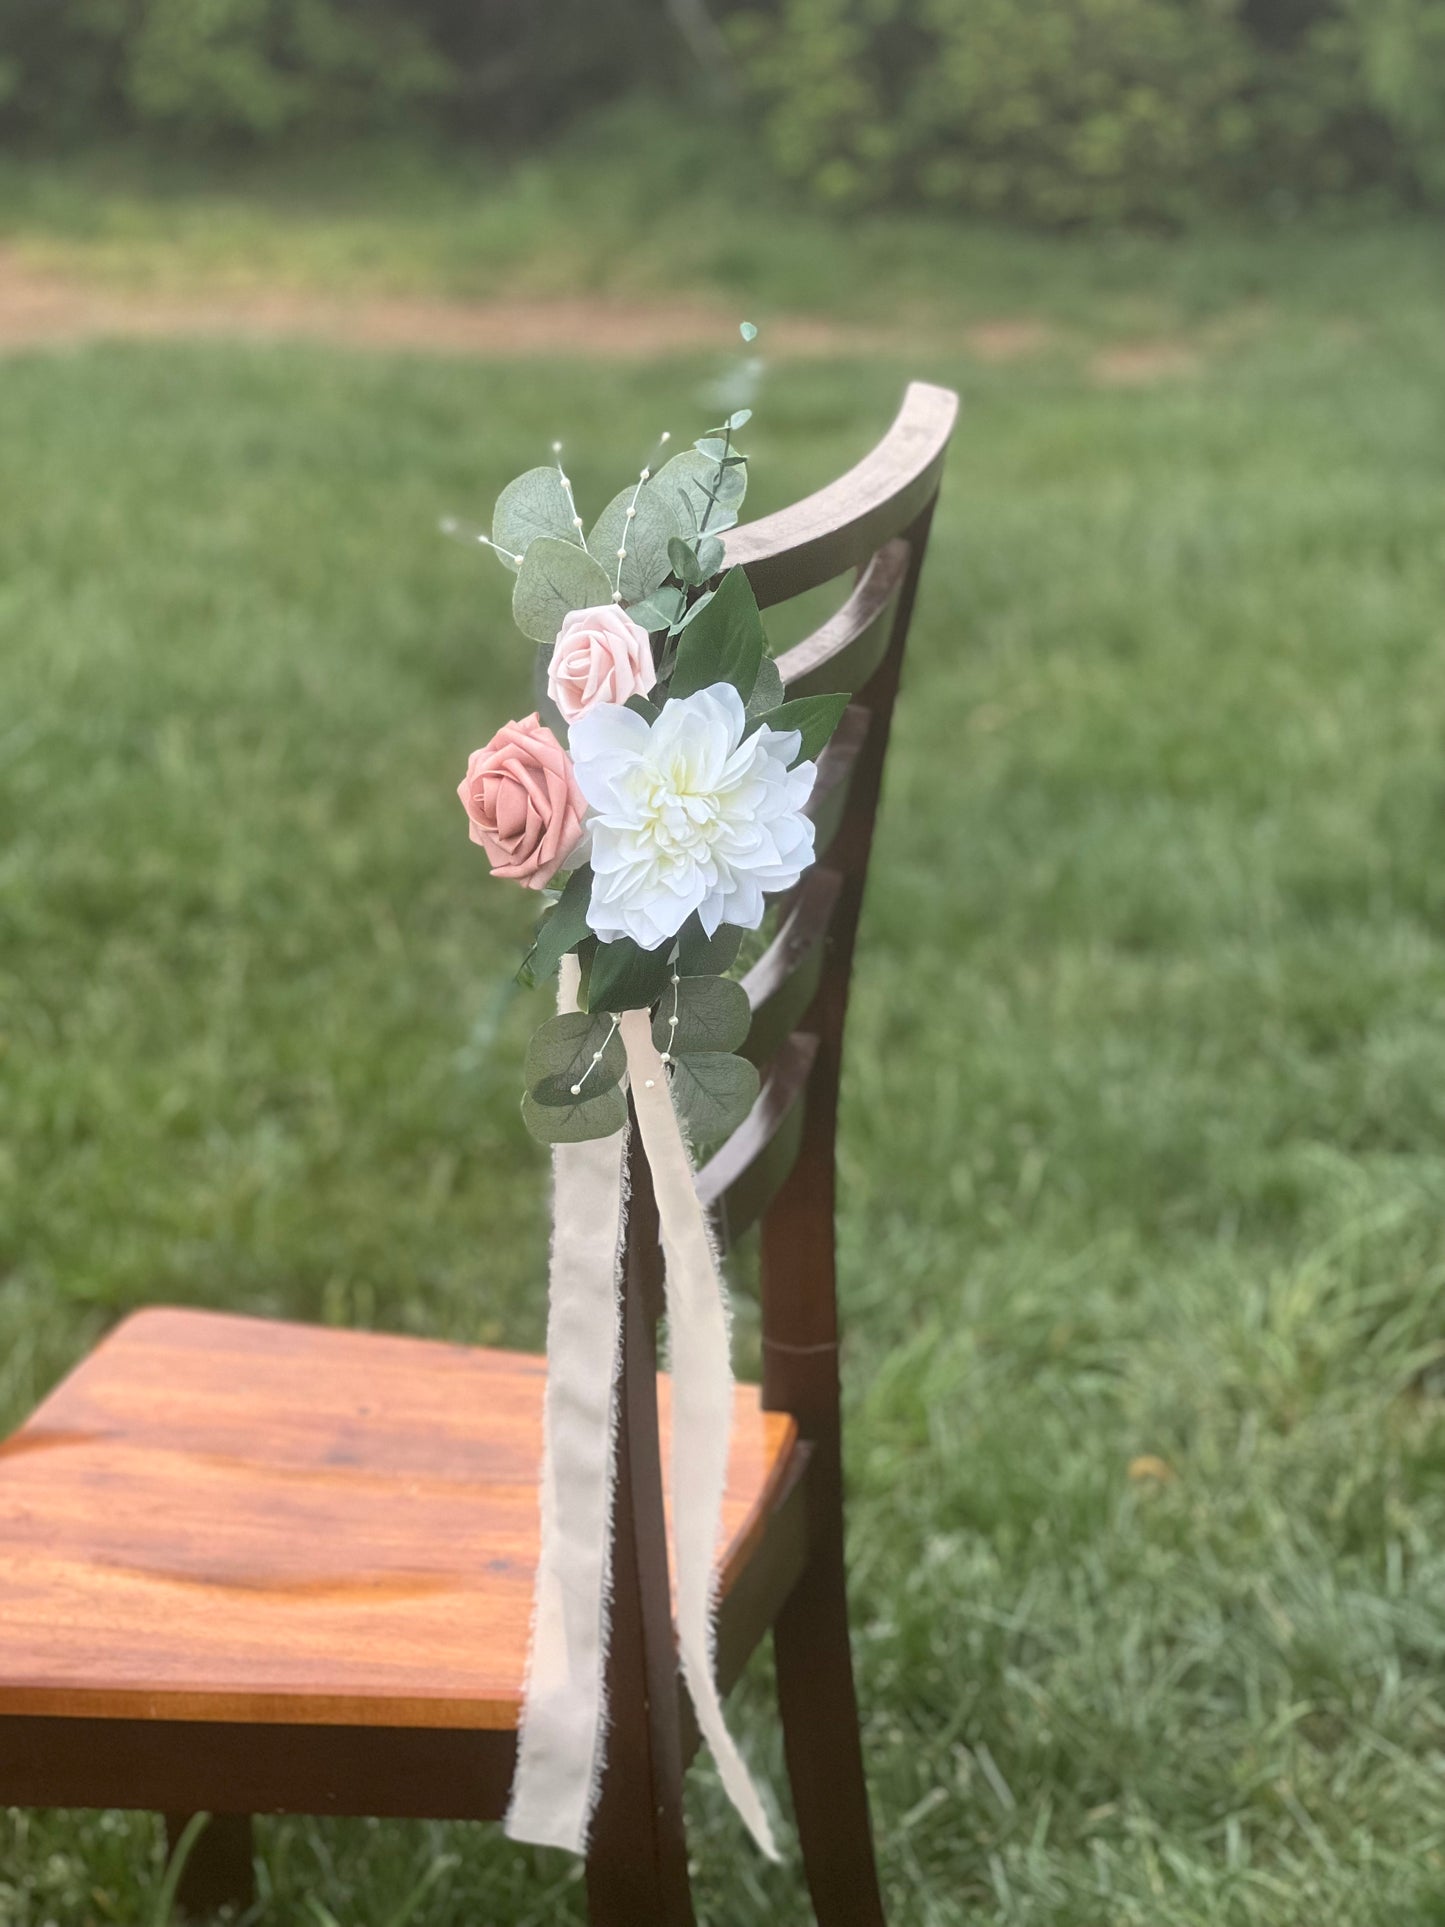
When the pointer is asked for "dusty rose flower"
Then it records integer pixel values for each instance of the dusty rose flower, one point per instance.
(600, 656)
(522, 799)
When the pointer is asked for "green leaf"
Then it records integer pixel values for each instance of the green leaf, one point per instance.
(693, 610)
(699, 955)
(816, 717)
(645, 536)
(719, 449)
(564, 929)
(649, 712)
(709, 556)
(713, 1092)
(712, 1014)
(586, 951)
(549, 712)
(574, 1123)
(626, 977)
(690, 480)
(562, 1053)
(555, 578)
(768, 692)
(659, 610)
(535, 504)
(683, 558)
(723, 643)
(740, 417)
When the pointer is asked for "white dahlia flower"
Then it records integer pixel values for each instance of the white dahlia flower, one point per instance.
(686, 815)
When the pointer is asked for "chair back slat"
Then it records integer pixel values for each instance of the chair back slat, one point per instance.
(741, 1180)
(849, 646)
(781, 983)
(834, 780)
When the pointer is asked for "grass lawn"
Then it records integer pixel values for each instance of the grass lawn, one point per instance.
(1145, 1125)
(637, 204)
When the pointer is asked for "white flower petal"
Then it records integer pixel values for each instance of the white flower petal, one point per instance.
(688, 817)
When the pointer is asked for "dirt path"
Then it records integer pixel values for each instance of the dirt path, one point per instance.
(39, 308)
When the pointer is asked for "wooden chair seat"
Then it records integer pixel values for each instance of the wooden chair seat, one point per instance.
(228, 1519)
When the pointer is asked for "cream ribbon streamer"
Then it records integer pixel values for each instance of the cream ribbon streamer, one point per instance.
(702, 1406)
(562, 1737)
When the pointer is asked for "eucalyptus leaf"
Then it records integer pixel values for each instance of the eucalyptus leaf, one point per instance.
(701, 955)
(575, 1123)
(691, 480)
(768, 692)
(564, 928)
(713, 1092)
(659, 610)
(555, 578)
(683, 558)
(709, 556)
(645, 536)
(815, 717)
(576, 1048)
(748, 330)
(723, 643)
(535, 504)
(719, 449)
(702, 1014)
(627, 977)
(739, 418)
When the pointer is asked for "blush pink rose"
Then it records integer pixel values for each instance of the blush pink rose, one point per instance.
(522, 799)
(600, 656)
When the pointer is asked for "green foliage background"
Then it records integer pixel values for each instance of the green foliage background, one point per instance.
(1067, 110)
(268, 71)
(1045, 111)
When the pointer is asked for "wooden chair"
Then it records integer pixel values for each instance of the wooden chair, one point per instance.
(251, 1567)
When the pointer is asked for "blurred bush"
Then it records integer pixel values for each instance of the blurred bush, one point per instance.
(215, 72)
(1061, 111)
(1046, 111)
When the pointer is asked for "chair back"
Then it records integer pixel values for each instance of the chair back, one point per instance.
(778, 1167)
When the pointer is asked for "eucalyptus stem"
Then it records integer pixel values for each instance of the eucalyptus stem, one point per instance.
(712, 499)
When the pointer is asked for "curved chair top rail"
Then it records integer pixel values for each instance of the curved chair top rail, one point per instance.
(842, 525)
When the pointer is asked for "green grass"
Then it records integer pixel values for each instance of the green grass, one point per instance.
(644, 203)
(1144, 1151)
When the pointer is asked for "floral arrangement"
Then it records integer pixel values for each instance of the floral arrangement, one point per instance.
(657, 796)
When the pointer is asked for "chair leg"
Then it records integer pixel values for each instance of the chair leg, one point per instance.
(637, 1854)
(821, 1737)
(220, 1870)
(630, 1885)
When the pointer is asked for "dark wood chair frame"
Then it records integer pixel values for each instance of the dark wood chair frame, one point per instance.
(777, 1171)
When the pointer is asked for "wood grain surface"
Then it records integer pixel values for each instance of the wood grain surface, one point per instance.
(222, 1518)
